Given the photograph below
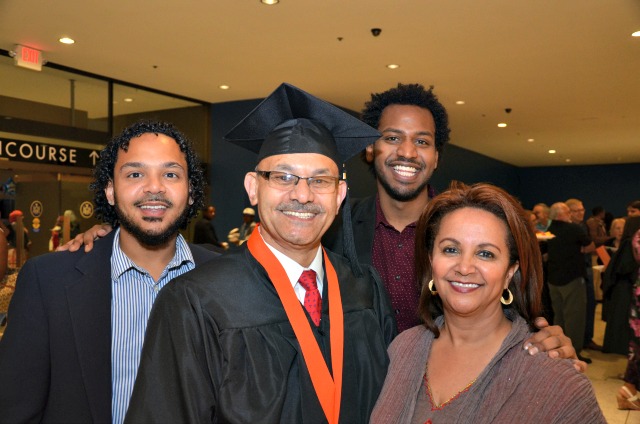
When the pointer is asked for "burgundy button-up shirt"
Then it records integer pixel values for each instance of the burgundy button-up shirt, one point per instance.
(393, 257)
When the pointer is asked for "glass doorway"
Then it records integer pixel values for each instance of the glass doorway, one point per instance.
(43, 197)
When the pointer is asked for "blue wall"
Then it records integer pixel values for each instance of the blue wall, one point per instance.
(610, 186)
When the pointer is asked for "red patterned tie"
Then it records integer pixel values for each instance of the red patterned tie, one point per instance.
(312, 299)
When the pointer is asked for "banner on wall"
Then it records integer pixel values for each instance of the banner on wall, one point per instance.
(31, 151)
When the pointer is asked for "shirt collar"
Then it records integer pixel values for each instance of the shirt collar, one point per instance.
(382, 220)
(293, 268)
(120, 262)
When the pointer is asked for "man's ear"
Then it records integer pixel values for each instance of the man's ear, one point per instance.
(109, 193)
(368, 153)
(341, 193)
(251, 186)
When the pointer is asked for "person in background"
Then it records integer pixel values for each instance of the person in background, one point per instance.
(248, 224)
(618, 292)
(74, 224)
(627, 395)
(633, 208)
(541, 210)
(11, 239)
(56, 234)
(480, 270)
(566, 274)
(596, 227)
(7, 281)
(76, 322)
(204, 231)
(617, 229)
(576, 210)
(532, 217)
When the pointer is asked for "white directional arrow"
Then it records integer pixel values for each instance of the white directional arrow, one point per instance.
(94, 157)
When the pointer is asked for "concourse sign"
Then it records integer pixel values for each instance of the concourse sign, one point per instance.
(50, 154)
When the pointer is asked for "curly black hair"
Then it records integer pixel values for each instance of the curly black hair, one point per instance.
(103, 172)
(413, 95)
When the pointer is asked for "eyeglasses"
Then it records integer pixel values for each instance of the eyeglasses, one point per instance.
(577, 210)
(322, 184)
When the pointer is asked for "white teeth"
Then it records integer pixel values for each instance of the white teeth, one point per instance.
(405, 171)
(301, 215)
(153, 207)
(465, 285)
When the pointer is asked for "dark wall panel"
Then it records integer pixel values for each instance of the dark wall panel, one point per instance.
(229, 164)
(609, 186)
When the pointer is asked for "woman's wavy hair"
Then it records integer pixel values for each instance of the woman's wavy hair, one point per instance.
(526, 284)
(103, 172)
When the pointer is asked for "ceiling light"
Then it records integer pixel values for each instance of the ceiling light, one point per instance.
(567, 160)
(530, 140)
(127, 99)
(269, 2)
(552, 151)
(460, 102)
(224, 87)
(502, 125)
(67, 40)
(636, 34)
(393, 66)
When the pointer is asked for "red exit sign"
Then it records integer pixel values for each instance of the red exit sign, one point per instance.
(28, 58)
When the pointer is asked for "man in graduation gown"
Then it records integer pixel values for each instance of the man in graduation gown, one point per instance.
(248, 338)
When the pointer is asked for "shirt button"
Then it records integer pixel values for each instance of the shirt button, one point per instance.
(397, 277)
(399, 245)
(397, 311)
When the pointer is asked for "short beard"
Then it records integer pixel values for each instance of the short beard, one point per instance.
(395, 194)
(147, 238)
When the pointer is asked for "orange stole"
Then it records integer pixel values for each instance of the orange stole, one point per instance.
(328, 389)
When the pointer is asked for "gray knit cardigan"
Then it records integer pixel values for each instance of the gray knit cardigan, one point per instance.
(514, 388)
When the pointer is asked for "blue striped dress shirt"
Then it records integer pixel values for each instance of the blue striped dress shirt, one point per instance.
(133, 293)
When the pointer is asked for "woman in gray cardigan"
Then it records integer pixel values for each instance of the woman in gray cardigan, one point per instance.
(480, 269)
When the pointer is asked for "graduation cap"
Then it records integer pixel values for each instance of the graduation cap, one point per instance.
(293, 121)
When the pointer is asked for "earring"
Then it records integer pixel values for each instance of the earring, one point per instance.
(431, 289)
(508, 300)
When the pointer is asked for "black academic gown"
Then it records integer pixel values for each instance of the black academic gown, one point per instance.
(219, 348)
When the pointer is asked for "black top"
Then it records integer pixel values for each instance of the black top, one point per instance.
(205, 233)
(220, 348)
(566, 262)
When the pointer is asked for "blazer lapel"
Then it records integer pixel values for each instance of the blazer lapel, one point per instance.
(89, 299)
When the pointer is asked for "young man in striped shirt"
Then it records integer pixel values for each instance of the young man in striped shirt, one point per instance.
(77, 321)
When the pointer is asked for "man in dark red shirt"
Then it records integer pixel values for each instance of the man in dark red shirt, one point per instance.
(415, 128)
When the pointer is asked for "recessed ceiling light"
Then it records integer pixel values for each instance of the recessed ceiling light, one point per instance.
(224, 87)
(460, 102)
(567, 160)
(127, 99)
(552, 151)
(502, 125)
(269, 2)
(67, 40)
(530, 140)
(393, 66)
(636, 34)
